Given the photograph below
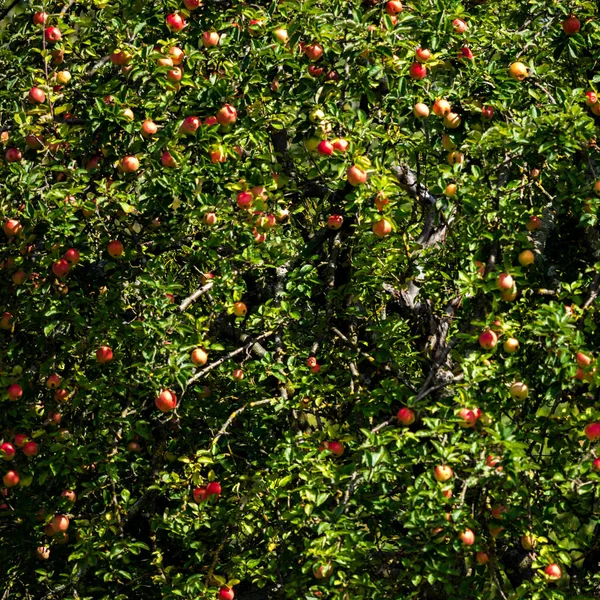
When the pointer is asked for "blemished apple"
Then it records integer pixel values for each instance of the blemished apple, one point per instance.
(199, 357)
(406, 416)
(442, 473)
(166, 401)
(592, 431)
(511, 345)
(115, 248)
(488, 339)
(335, 221)
(356, 176)
(104, 355)
(518, 71)
(36, 96)
(382, 228)
(42, 553)
(518, 390)
(240, 309)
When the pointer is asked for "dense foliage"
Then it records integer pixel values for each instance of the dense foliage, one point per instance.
(269, 328)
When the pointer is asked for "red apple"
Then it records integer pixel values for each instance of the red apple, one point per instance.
(213, 489)
(325, 148)
(238, 374)
(11, 479)
(60, 523)
(441, 108)
(52, 34)
(14, 391)
(583, 360)
(393, 7)
(382, 228)
(442, 473)
(459, 26)
(467, 537)
(72, 256)
(53, 382)
(7, 451)
(571, 25)
(210, 39)
(189, 125)
(227, 115)
(417, 71)
(592, 431)
(210, 218)
(504, 282)
(596, 464)
(199, 494)
(323, 571)
(12, 227)
(13, 155)
(488, 339)
(487, 112)
(341, 145)
(167, 160)
(591, 98)
(129, 164)
(422, 54)
(30, 449)
(482, 558)
(120, 58)
(553, 572)
(313, 51)
(226, 593)
(356, 176)
(39, 18)
(335, 221)
(315, 71)
(20, 440)
(104, 355)
(166, 401)
(42, 553)
(336, 448)
(239, 309)
(61, 394)
(175, 22)
(149, 128)
(533, 224)
(69, 495)
(465, 52)
(61, 268)
(468, 418)
(36, 95)
(244, 200)
(175, 74)
(406, 416)
(115, 248)
(192, 4)
(199, 357)
(177, 55)
(217, 155)
(420, 110)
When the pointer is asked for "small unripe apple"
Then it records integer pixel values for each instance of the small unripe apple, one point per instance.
(518, 390)
(511, 345)
(526, 258)
(166, 401)
(406, 416)
(442, 473)
(528, 542)
(115, 248)
(518, 71)
(199, 357)
(420, 110)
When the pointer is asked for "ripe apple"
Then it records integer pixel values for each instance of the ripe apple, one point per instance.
(175, 74)
(504, 282)
(53, 382)
(417, 71)
(36, 96)
(199, 494)
(39, 18)
(7, 451)
(12, 227)
(240, 309)
(420, 110)
(127, 113)
(465, 52)
(323, 571)
(52, 34)
(393, 7)
(213, 489)
(340, 144)
(165, 61)
(528, 542)
(315, 71)
(30, 449)
(120, 58)
(591, 98)
(450, 190)
(518, 71)
(336, 448)
(482, 558)
(452, 121)
(455, 158)
(72, 256)
(42, 553)
(381, 200)
(281, 35)
(63, 77)
(13, 155)
(226, 593)
(313, 51)
(20, 440)
(553, 572)
(115, 248)
(441, 108)
(19, 277)
(129, 164)
(442, 473)
(104, 355)
(406, 416)
(69, 495)
(356, 176)
(571, 25)
(422, 54)
(199, 357)
(190, 125)
(60, 395)
(325, 148)
(210, 218)
(238, 374)
(60, 523)
(488, 339)
(210, 39)
(177, 55)
(335, 221)
(526, 258)
(511, 345)
(592, 431)
(175, 22)
(498, 511)
(468, 418)
(518, 390)
(167, 160)
(217, 154)
(459, 26)
(166, 401)
(14, 391)
(487, 113)
(583, 360)
(596, 464)
(149, 128)
(533, 224)
(227, 115)
(382, 228)
(244, 200)
(467, 537)
(35, 142)
(11, 479)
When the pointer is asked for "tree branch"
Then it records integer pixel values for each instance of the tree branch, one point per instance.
(237, 413)
(195, 295)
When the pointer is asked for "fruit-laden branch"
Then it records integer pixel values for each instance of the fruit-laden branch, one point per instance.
(195, 296)
(235, 414)
(214, 365)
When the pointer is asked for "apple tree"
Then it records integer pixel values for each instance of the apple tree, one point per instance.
(299, 299)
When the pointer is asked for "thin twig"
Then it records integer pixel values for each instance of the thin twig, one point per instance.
(237, 413)
(199, 292)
